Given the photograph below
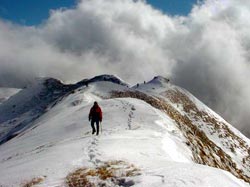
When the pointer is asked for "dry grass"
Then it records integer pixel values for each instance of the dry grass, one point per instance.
(216, 126)
(204, 150)
(33, 182)
(227, 137)
(78, 178)
(113, 171)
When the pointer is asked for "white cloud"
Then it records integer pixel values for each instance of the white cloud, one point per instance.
(206, 52)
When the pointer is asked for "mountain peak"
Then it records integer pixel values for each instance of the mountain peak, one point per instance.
(105, 77)
(159, 80)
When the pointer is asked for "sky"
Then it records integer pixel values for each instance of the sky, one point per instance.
(30, 12)
(203, 47)
(34, 12)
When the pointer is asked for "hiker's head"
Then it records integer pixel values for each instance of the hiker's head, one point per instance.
(95, 103)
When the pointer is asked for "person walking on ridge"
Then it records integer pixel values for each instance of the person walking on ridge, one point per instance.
(95, 116)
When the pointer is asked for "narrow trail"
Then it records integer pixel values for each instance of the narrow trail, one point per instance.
(128, 106)
(92, 151)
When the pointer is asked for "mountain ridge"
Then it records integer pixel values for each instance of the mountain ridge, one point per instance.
(210, 139)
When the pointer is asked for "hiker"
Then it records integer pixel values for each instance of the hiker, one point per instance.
(95, 115)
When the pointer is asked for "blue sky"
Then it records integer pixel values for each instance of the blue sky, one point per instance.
(33, 12)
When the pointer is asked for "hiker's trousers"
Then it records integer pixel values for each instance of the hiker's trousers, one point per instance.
(93, 122)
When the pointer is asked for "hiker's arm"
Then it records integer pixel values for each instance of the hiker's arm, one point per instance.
(90, 114)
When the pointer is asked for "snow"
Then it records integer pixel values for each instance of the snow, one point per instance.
(6, 93)
(154, 86)
(132, 130)
(187, 175)
(238, 153)
(202, 107)
(159, 86)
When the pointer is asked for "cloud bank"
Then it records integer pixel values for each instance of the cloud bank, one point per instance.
(206, 52)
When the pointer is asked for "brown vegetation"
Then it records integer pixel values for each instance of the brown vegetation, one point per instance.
(114, 172)
(228, 138)
(204, 150)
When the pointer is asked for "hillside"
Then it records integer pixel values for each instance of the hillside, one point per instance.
(5, 93)
(154, 134)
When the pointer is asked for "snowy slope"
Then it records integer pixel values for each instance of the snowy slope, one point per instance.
(133, 132)
(214, 141)
(6, 93)
(20, 110)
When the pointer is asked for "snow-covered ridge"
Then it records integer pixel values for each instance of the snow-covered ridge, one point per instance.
(159, 80)
(157, 132)
(108, 78)
(6, 93)
(21, 109)
(213, 141)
